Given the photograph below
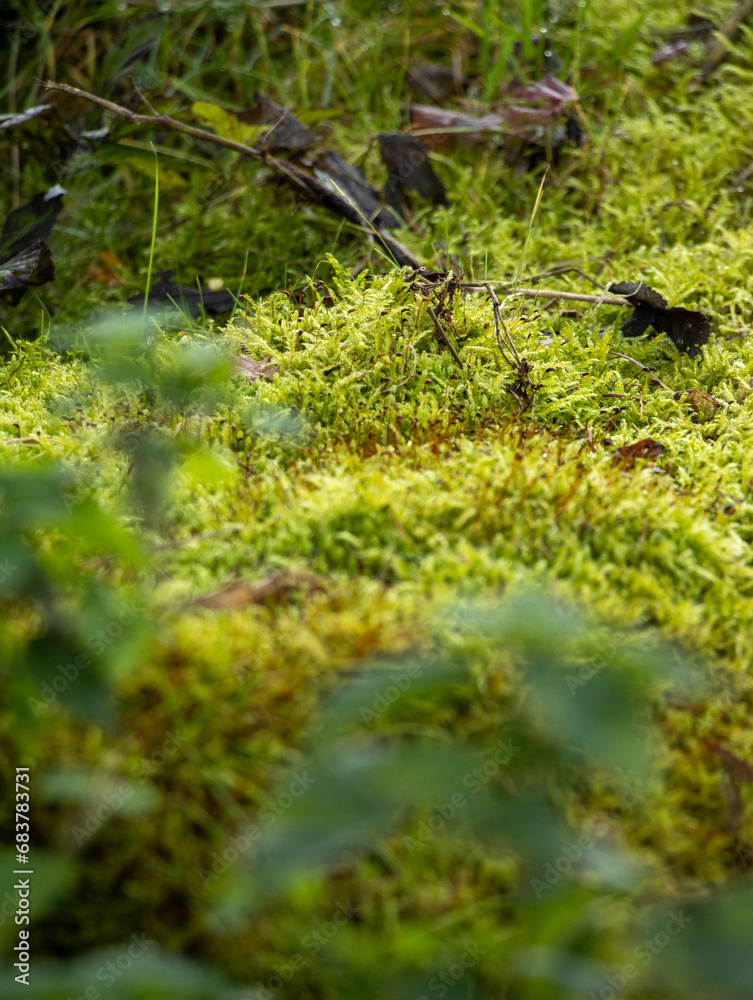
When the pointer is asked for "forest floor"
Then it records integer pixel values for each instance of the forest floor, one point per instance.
(334, 652)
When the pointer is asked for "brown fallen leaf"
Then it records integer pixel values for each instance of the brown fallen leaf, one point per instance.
(550, 94)
(703, 404)
(271, 589)
(534, 107)
(440, 128)
(106, 273)
(251, 370)
(645, 448)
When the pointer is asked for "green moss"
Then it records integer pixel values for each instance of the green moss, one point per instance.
(407, 484)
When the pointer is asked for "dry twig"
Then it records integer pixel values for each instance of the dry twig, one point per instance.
(719, 47)
(289, 171)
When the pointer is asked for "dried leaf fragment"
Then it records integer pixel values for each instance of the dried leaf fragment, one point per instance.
(269, 590)
(252, 370)
(645, 448)
(703, 404)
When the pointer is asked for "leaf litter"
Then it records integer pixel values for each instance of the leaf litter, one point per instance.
(25, 257)
(688, 329)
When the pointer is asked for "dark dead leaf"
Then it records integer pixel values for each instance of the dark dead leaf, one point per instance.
(30, 223)
(645, 448)
(270, 590)
(703, 404)
(638, 293)
(30, 267)
(287, 134)
(700, 25)
(409, 169)
(252, 370)
(166, 292)
(687, 328)
(348, 183)
(433, 82)
(25, 258)
(326, 177)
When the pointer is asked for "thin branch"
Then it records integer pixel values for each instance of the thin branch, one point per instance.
(566, 268)
(626, 357)
(550, 293)
(719, 47)
(443, 334)
(499, 325)
(288, 171)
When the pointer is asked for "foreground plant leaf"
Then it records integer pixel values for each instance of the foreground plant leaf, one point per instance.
(688, 329)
